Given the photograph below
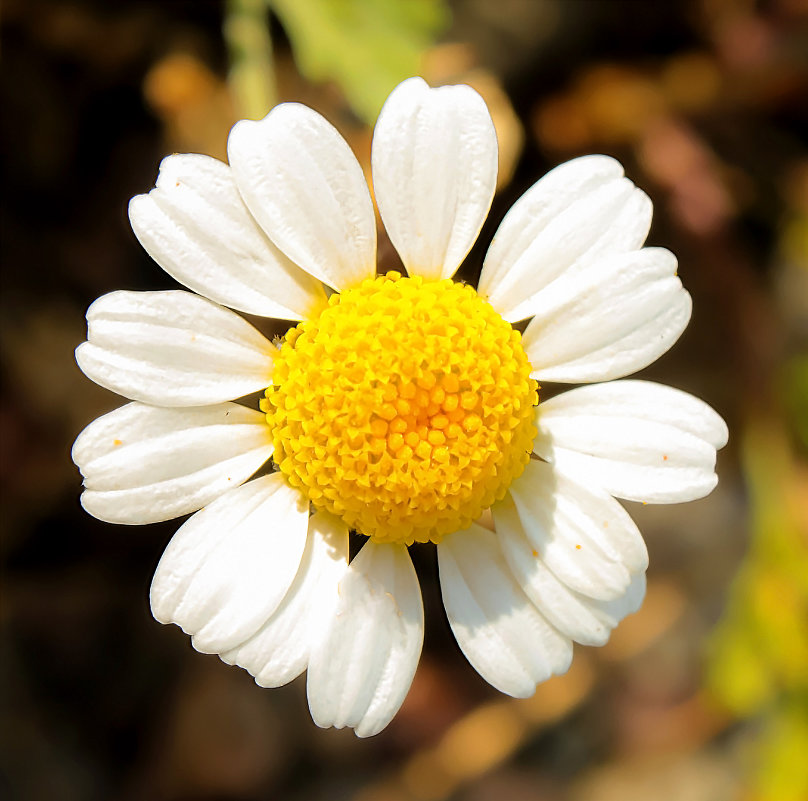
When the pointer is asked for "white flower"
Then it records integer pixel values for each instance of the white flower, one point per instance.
(400, 407)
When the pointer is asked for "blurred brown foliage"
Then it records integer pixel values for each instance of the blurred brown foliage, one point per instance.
(705, 103)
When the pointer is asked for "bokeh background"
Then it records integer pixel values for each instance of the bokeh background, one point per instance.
(702, 695)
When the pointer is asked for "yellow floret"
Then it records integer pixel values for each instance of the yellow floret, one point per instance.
(405, 408)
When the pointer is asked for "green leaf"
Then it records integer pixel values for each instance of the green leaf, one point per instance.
(365, 46)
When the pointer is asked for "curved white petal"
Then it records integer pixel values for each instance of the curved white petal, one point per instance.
(279, 651)
(578, 617)
(361, 670)
(538, 206)
(195, 225)
(582, 535)
(144, 463)
(499, 630)
(638, 440)
(173, 349)
(434, 164)
(580, 212)
(306, 189)
(612, 612)
(228, 567)
(608, 320)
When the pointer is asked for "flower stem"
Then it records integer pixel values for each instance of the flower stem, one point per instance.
(252, 70)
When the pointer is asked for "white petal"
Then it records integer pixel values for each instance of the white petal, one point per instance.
(195, 225)
(279, 651)
(638, 440)
(582, 534)
(609, 320)
(144, 463)
(229, 566)
(612, 612)
(499, 630)
(542, 203)
(580, 212)
(306, 189)
(173, 349)
(361, 670)
(434, 163)
(578, 617)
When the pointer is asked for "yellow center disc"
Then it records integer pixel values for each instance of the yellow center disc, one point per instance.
(405, 408)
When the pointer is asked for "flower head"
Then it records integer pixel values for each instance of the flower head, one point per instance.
(406, 408)
(400, 407)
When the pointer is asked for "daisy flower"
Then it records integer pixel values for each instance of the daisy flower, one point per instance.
(400, 407)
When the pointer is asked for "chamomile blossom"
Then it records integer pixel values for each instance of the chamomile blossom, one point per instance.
(399, 407)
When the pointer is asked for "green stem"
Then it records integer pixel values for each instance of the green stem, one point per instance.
(252, 71)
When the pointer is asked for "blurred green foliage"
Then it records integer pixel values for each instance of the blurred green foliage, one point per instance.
(365, 46)
(758, 666)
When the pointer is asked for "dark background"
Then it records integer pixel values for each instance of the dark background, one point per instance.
(701, 695)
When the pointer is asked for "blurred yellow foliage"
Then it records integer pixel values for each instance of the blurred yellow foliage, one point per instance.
(483, 739)
(758, 665)
(192, 102)
(614, 104)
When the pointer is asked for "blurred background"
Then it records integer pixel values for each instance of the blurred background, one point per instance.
(702, 695)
